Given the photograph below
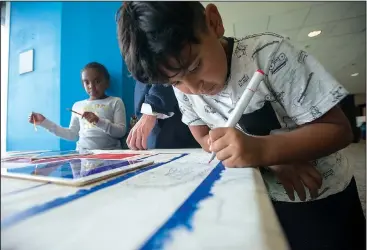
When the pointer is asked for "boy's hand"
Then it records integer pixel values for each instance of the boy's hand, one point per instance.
(295, 177)
(90, 117)
(36, 118)
(235, 148)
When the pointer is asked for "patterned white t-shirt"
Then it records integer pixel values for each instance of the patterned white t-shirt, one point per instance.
(298, 88)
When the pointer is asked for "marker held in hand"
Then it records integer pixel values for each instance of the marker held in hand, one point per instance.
(243, 102)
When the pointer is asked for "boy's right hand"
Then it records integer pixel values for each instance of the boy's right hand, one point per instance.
(298, 176)
(36, 118)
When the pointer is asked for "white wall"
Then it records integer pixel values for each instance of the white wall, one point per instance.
(4, 75)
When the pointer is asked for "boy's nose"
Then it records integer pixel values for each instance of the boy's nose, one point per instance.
(195, 87)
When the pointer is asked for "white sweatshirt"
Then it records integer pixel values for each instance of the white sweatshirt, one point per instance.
(106, 134)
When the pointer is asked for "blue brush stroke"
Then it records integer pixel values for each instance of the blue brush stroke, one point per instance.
(183, 215)
(30, 212)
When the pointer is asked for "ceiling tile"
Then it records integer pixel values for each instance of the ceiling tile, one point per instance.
(347, 26)
(335, 49)
(356, 9)
(290, 20)
(255, 25)
(327, 12)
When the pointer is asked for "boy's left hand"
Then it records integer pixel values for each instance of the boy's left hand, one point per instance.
(90, 117)
(235, 148)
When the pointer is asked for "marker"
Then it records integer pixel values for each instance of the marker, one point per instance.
(74, 111)
(34, 124)
(243, 102)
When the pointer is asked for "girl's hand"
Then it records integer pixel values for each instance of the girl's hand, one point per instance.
(36, 118)
(90, 117)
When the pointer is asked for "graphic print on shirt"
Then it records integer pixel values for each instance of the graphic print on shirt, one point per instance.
(209, 109)
(262, 34)
(292, 76)
(182, 109)
(289, 123)
(271, 98)
(315, 112)
(327, 174)
(302, 57)
(224, 94)
(240, 50)
(97, 109)
(186, 99)
(257, 50)
(278, 63)
(303, 93)
(243, 80)
(337, 94)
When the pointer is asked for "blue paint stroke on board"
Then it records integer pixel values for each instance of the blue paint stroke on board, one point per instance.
(24, 189)
(30, 212)
(184, 214)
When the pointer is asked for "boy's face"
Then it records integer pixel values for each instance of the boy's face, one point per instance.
(94, 82)
(208, 61)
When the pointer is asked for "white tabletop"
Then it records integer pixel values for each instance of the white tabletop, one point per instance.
(175, 204)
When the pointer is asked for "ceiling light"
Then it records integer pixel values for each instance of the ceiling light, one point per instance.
(354, 74)
(314, 33)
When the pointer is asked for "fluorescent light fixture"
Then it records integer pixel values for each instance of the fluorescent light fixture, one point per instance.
(354, 74)
(314, 33)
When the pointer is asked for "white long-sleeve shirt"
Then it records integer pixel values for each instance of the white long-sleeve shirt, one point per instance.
(106, 134)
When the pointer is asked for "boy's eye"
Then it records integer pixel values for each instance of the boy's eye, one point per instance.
(196, 67)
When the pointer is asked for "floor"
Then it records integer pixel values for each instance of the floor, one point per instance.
(356, 154)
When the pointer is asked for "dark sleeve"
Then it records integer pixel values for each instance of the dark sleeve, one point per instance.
(161, 98)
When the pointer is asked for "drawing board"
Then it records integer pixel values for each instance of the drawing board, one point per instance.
(75, 172)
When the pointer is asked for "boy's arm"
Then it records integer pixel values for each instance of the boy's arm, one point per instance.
(309, 95)
(71, 133)
(319, 138)
(117, 128)
(197, 126)
(201, 135)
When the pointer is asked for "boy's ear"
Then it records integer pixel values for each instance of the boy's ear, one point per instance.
(214, 20)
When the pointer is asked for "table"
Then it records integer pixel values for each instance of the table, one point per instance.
(178, 203)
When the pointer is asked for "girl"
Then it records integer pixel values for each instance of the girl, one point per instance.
(96, 123)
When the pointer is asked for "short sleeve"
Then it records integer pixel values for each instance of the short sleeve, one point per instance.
(189, 116)
(301, 84)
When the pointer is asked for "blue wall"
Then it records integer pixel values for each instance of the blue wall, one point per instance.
(34, 26)
(69, 35)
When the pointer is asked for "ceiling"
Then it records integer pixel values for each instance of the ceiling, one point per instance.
(341, 47)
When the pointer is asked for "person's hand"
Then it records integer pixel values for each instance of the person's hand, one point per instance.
(296, 177)
(36, 118)
(235, 148)
(138, 136)
(90, 117)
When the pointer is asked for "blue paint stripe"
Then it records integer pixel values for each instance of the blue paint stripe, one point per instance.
(30, 212)
(183, 215)
(24, 189)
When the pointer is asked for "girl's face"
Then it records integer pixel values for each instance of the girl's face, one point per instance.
(95, 83)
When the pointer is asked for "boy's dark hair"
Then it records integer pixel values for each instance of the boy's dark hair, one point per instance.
(151, 33)
(100, 67)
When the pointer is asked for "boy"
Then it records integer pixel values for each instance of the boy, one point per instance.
(293, 117)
